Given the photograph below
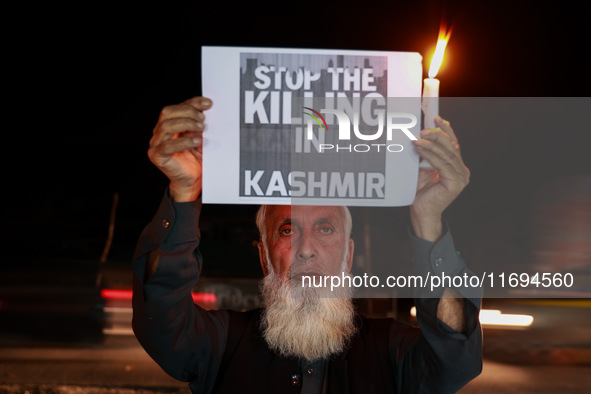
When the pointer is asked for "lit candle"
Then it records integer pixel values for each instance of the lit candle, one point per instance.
(430, 105)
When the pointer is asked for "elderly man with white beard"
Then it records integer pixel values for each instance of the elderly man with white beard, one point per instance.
(302, 340)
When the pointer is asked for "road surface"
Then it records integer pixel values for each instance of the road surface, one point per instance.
(120, 365)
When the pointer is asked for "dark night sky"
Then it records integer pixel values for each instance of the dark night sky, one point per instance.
(90, 81)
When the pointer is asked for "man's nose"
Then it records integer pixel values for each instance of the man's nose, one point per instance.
(306, 248)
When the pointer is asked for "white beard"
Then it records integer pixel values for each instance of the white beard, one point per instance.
(308, 328)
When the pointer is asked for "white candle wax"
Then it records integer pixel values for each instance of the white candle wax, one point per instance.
(430, 101)
(430, 107)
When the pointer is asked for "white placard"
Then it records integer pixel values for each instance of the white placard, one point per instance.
(257, 147)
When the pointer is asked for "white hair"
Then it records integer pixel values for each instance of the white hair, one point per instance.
(305, 323)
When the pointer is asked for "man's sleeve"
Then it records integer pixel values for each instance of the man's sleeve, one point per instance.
(185, 340)
(437, 359)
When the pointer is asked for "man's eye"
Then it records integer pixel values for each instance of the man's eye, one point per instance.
(285, 231)
(326, 230)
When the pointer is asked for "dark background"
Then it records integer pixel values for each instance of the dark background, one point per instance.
(86, 83)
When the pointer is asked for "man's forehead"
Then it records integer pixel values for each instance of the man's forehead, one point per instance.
(282, 213)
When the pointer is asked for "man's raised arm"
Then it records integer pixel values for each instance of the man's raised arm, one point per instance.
(450, 346)
(176, 149)
(187, 341)
(436, 190)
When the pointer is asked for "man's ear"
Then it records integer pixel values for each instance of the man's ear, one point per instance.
(350, 249)
(263, 257)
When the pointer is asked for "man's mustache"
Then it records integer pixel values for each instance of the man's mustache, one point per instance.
(309, 267)
(306, 268)
(300, 274)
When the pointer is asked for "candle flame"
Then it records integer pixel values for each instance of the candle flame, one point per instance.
(437, 59)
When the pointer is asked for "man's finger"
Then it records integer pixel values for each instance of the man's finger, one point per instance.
(199, 103)
(446, 127)
(199, 135)
(436, 157)
(449, 177)
(445, 161)
(442, 141)
(181, 111)
(170, 147)
(167, 128)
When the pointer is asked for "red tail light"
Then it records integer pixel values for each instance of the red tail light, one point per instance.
(115, 294)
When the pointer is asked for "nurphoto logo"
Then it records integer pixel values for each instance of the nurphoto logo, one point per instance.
(393, 121)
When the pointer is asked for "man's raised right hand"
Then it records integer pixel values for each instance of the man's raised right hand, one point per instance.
(176, 147)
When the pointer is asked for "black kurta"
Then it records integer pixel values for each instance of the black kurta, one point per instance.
(222, 351)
